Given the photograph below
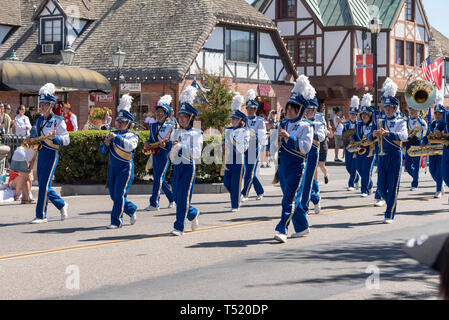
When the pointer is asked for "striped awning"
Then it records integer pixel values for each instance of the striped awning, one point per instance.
(30, 77)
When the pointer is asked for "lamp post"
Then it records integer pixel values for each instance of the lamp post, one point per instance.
(375, 25)
(68, 54)
(118, 59)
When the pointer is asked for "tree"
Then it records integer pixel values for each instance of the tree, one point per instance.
(220, 95)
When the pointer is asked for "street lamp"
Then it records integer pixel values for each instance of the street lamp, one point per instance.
(68, 54)
(118, 59)
(13, 57)
(375, 25)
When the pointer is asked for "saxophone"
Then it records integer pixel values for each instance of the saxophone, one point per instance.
(425, 150)
(35, 143)
(443, 140)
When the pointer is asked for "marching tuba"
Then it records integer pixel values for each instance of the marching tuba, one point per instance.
(420, 94)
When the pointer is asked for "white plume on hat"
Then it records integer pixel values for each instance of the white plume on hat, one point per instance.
(48, 88)
(237, 102)
(439, 100)
(125, 103)
(304, 88)
(367, 99)
(250, 95)
(188, 95)
(389, 88)
(166, 99)
(355, 101)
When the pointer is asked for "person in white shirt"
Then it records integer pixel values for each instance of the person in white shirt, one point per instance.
(149, 120)
(22, 123)
(338, 122)
(22, 162)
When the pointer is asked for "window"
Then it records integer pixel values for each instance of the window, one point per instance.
(52, 30)
(306, 51)
(287, 9)
(241, 45)
(290, 44)
(410, 10)
(409, 53)
(399, 58)
(419, 54)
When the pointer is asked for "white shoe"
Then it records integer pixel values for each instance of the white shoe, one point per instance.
(300, 234)
(37, 220)
(388, 221)
(171, 205)
(133, 218)
(437, 195)
(364, 195)
(317, 208)
(243, 199)
(280, 237)
(64, 211)
(195, 223)
(351, 189)
(177, 233)
(235, 210)
(151, 208)
(379, 203)
(259, 197)
(413, 189)
(112, 226)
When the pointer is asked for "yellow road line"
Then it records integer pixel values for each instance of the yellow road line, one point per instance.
(29, 254)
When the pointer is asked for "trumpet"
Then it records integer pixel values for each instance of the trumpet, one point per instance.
(425, 150)
(381, 138)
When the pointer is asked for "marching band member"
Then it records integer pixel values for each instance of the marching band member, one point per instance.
(296, 135)
(258, 135)
(304, 194)
(363, 130)
(160, 131)
(378, 114)
(351, 158)
(54, 127)
(412, 164)
(121, 145)
(392, 130)
(435, 161)
(236, 143)
(187, 146)
(443, 127)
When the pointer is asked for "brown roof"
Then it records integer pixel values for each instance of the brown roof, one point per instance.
(12, 15)
(160, 38)
(83, 9)
(441, 42)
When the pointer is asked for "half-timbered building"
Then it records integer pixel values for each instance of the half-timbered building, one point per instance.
(167, 43)
(323, 38)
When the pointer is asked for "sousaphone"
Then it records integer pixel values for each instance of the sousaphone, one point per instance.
(420, 94)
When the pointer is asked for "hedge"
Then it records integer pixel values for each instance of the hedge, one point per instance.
(81, 162)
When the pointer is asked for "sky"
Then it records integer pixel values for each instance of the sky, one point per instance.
(437, 13)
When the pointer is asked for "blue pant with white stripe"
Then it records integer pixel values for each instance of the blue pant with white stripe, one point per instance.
(120, 178)
(161, 163)
(351, 167)
(183, 183)
(388, 180)
(412, 168)
(435, 163)
(232, 180)
(315, 195)
(445, 165)
(365, 167)
(46, 166)
(250, 177)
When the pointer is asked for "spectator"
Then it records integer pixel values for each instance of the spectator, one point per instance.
(149, 120)
(57, 109)
(338, 123)
(69, 118)
(22, 162)
(322, 155)
(5, 120)
(22, 125)
(106, 121)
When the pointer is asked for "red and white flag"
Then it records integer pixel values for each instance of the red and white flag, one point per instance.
(364, 70)
(433, 72)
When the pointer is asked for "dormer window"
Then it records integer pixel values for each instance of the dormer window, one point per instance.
(52, 30)
(410, 10)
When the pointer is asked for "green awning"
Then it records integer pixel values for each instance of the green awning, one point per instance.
(30, 77)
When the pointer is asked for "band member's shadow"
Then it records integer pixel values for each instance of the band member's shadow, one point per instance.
(254, 219)
(346, 225)
(128, 237)
(234, 243)
(93, 213)
(67, 230)
(420, 212)
(340, 207)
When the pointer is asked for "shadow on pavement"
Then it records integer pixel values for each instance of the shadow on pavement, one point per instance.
(346, 225)
(234, 243)
(67, 230)
(128, 237)
(420, 213)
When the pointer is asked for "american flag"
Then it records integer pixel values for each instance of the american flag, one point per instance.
(433, 72)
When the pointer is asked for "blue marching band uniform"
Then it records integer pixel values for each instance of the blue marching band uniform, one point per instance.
(48, 154)
(236, 144)
(161, 131)
(258, 134)
(121, 165)
(351, 158)
(412, 164)
(443, 127)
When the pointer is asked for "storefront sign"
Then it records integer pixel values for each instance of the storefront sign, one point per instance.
(131, 87)
(102, 98)
(264, 90)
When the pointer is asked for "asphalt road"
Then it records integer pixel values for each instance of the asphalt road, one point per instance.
(349, 253)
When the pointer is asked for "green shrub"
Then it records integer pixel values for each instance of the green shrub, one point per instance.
(81, 162)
